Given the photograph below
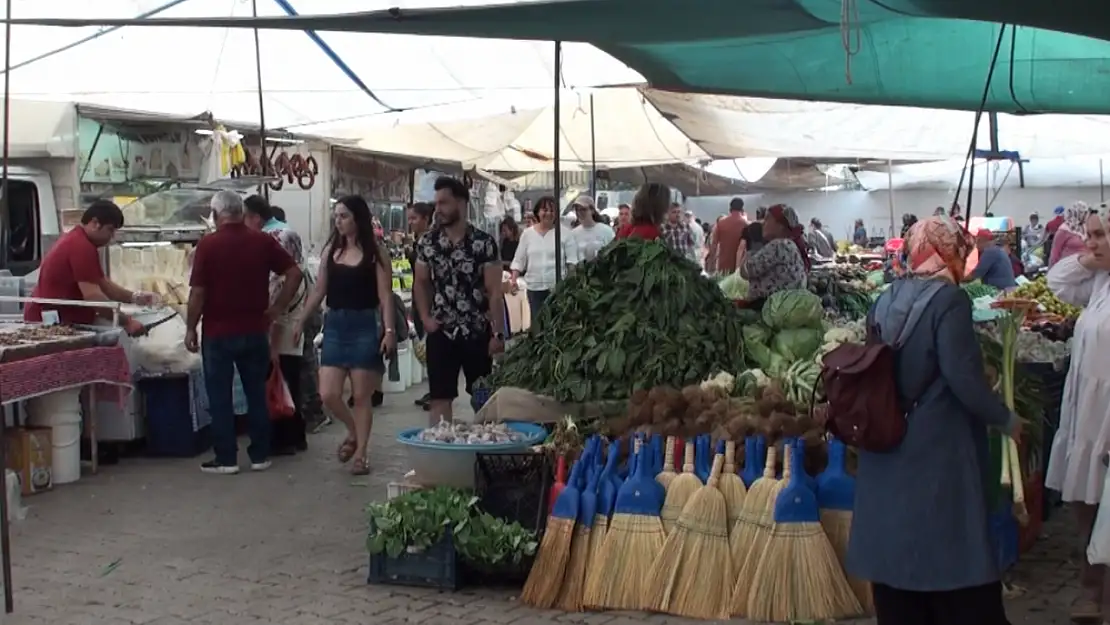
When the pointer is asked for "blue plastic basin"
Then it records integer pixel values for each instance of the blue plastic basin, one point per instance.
(452, 464)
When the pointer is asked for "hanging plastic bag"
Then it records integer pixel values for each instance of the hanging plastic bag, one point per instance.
(1098, 550)
(278, 399)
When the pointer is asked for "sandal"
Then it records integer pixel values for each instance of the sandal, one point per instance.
(346, 450)
(361, 466)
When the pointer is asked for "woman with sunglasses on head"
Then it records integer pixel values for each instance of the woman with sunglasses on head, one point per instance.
(590, 233)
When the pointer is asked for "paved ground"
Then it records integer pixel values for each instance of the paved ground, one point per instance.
(157, 542)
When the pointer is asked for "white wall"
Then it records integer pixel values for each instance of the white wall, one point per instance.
(838, 210)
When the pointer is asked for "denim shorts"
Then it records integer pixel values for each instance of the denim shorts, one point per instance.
(352, 340)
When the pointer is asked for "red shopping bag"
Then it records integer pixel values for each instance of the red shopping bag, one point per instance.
(278, 399)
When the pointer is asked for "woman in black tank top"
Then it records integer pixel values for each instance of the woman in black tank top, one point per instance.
(356, 278)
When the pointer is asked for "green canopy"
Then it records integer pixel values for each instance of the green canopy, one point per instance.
(933, 53)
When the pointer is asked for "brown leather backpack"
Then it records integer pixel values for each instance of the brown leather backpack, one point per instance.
(864, 408)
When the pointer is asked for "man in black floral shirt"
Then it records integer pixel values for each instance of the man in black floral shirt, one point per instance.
(458, 275)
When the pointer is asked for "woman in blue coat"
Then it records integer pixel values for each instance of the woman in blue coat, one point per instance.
(920, 532)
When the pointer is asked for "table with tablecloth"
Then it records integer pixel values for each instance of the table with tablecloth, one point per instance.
(94, 369)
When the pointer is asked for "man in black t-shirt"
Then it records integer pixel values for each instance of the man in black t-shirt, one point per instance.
(753, 234)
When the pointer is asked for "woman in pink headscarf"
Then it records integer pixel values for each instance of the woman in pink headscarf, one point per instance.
(1070, 237)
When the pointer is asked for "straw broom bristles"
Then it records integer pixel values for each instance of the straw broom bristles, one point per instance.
(681, 489)
(546, 577)
(753, 529)
(667, 475)
(799, 577)
(574, 581)
(838, 527)
(632, 543)
(732, 486)
(597, 542)
(601, 520)
(692, 576)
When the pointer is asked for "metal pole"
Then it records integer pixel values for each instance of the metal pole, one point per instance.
(558, 173)
(262, 156)
(890, 194)
(5, 215)
(593, 152)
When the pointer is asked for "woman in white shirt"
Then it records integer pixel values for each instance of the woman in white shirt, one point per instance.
(591, 234)
(535, 254)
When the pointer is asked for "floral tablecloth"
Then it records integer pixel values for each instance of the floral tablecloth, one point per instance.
(33, 377)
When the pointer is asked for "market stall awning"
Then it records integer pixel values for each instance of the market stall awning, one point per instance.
(743, 127)
(933, 53)
(626, 131)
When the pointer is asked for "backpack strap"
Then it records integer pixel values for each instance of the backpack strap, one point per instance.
(918, 310)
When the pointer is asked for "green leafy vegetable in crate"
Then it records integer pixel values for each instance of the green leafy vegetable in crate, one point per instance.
(416, 520)
(639, 316)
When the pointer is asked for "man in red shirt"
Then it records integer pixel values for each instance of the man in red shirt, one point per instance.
(231, 293)
(72, 271)
(728, 234)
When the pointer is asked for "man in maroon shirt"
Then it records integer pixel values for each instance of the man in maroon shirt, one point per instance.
(72, 271)
(231, 293)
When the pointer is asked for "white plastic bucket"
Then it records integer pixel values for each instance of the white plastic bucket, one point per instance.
(61, 412)
(417, 370)
(404, 358)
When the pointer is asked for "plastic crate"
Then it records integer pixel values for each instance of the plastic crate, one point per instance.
(434, 567)
(501, 575)
(514, 487)
(167, 405)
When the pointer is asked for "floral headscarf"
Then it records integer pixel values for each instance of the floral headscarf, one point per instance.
(789, 219)
(938, 247)
(1075, 218)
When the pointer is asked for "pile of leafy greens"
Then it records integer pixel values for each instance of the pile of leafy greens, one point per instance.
(638, 316)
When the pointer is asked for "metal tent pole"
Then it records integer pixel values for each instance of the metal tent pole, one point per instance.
(264, 159)
(5, 531)
(557, 173)
(593, 153)
(889, 194)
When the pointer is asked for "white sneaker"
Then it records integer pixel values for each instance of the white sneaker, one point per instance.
(261, 466)
(216, 468)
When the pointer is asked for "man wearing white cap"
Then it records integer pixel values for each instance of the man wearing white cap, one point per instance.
(590, 235)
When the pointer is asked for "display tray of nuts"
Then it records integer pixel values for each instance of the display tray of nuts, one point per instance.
(22, 341)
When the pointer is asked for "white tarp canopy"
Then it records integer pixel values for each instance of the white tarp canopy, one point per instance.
(735, 127)
(626, 131)
(187, 71)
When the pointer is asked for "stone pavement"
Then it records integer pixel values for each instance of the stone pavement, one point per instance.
(156, 542)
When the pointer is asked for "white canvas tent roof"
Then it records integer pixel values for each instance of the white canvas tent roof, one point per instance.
(627, 131)
(186, 71)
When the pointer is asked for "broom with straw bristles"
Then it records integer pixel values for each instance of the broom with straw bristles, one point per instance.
(799, 577)
(753, 528)
(546, 577)
(680, 490)
(730, 484)
(692, 576)
(667, 475)
(605, 499)
(634, 540)
(574, 581)
(836, 497)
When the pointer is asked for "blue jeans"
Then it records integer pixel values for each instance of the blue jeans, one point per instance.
(250, 354)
